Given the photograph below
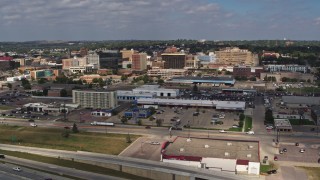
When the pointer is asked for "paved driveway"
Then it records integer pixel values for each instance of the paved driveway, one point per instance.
(286, 172)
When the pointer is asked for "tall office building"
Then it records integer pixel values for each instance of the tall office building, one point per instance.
(234, 56)
(139, 62)
(109, 59)
(95, 99)
(93, 58)
(174, 60)
(127, 54)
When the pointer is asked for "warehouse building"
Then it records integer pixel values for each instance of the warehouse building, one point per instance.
(203, 80)
(160, 92)
(233, 156)
(222, 105)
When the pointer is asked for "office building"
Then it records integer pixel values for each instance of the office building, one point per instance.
(95, 99)
(234, 56)
(139, 62)
(174, 60)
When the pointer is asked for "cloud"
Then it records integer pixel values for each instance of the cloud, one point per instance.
(151, 19)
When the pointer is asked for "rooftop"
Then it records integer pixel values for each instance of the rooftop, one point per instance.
(301, 100)
(221, 78)
(282, 124)
(214, 148)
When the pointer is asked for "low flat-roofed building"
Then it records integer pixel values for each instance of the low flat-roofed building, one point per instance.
(160, 92)
(282, 125)
(227, 105)
(131, 96)
(303, 100)
(213, 154)
(204, 80)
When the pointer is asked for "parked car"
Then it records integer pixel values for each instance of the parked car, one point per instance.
(302, 150)
(284, 149)
(222, 131)
(297, 144)
(275, 158)
(155, 143)
(250, 132)
(265, 158)
(272, 171)
(2, 156)
(17, 169)
(280, 152)
(148, 127)
(33, 125)
(235, 126)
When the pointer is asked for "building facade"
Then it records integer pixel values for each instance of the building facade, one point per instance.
(139, 62)
(288, 67)
(174, 60)
(234, 56)
(242, 71)
(95, 99)
(167, 73)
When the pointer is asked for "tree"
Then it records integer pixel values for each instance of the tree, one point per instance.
(159, 122)
(139, 122)
(9, 86)
(152, 110)
(124, 120)
(253, 79)
(128, 66)
(124, 77)
(66, 132)
(269, 116)
(241, 124)
(63, 93)
(42, 81)
(195, 88)
(75, 128)
(160, 81)
(241, 117)
(227, 73)
(128, 138)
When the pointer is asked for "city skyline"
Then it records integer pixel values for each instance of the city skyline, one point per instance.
(159, 20)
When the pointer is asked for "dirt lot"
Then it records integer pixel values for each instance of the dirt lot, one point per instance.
(143, 148)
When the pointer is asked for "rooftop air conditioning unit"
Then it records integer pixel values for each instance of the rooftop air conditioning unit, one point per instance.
(188, 140)
(250, 147)
(248, 155)
(229, 144)
(181, 149)
(206, 146)
(226, 154)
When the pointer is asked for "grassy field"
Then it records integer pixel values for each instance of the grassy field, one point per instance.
(248, 124)
(71, 164)
(52, 138)
(4, 107)
(301, 122)
(303, 90)
(312, 172)
(235, 129)
(265, 168)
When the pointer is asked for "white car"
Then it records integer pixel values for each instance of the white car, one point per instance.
(155, 143)
(33, 125)
(250, 132)
(222, 131)
(16, 169)
(235, 126)
(302, 150)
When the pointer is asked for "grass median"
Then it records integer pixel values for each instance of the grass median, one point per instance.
(71, 164)
(53, 139)
(248, 124)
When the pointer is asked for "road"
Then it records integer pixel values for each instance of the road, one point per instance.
(34, 174)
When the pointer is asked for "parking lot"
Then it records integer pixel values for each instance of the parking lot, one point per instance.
(311, 154)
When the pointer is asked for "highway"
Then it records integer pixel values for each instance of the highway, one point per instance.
(27, 173)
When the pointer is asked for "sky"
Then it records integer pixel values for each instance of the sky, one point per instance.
(69, 20)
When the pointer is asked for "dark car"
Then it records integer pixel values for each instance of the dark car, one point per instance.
(265, 158)
(284, 149)
(148, 127)
(297, 144)
(2, 156)
(275, 158)
(272, 171)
